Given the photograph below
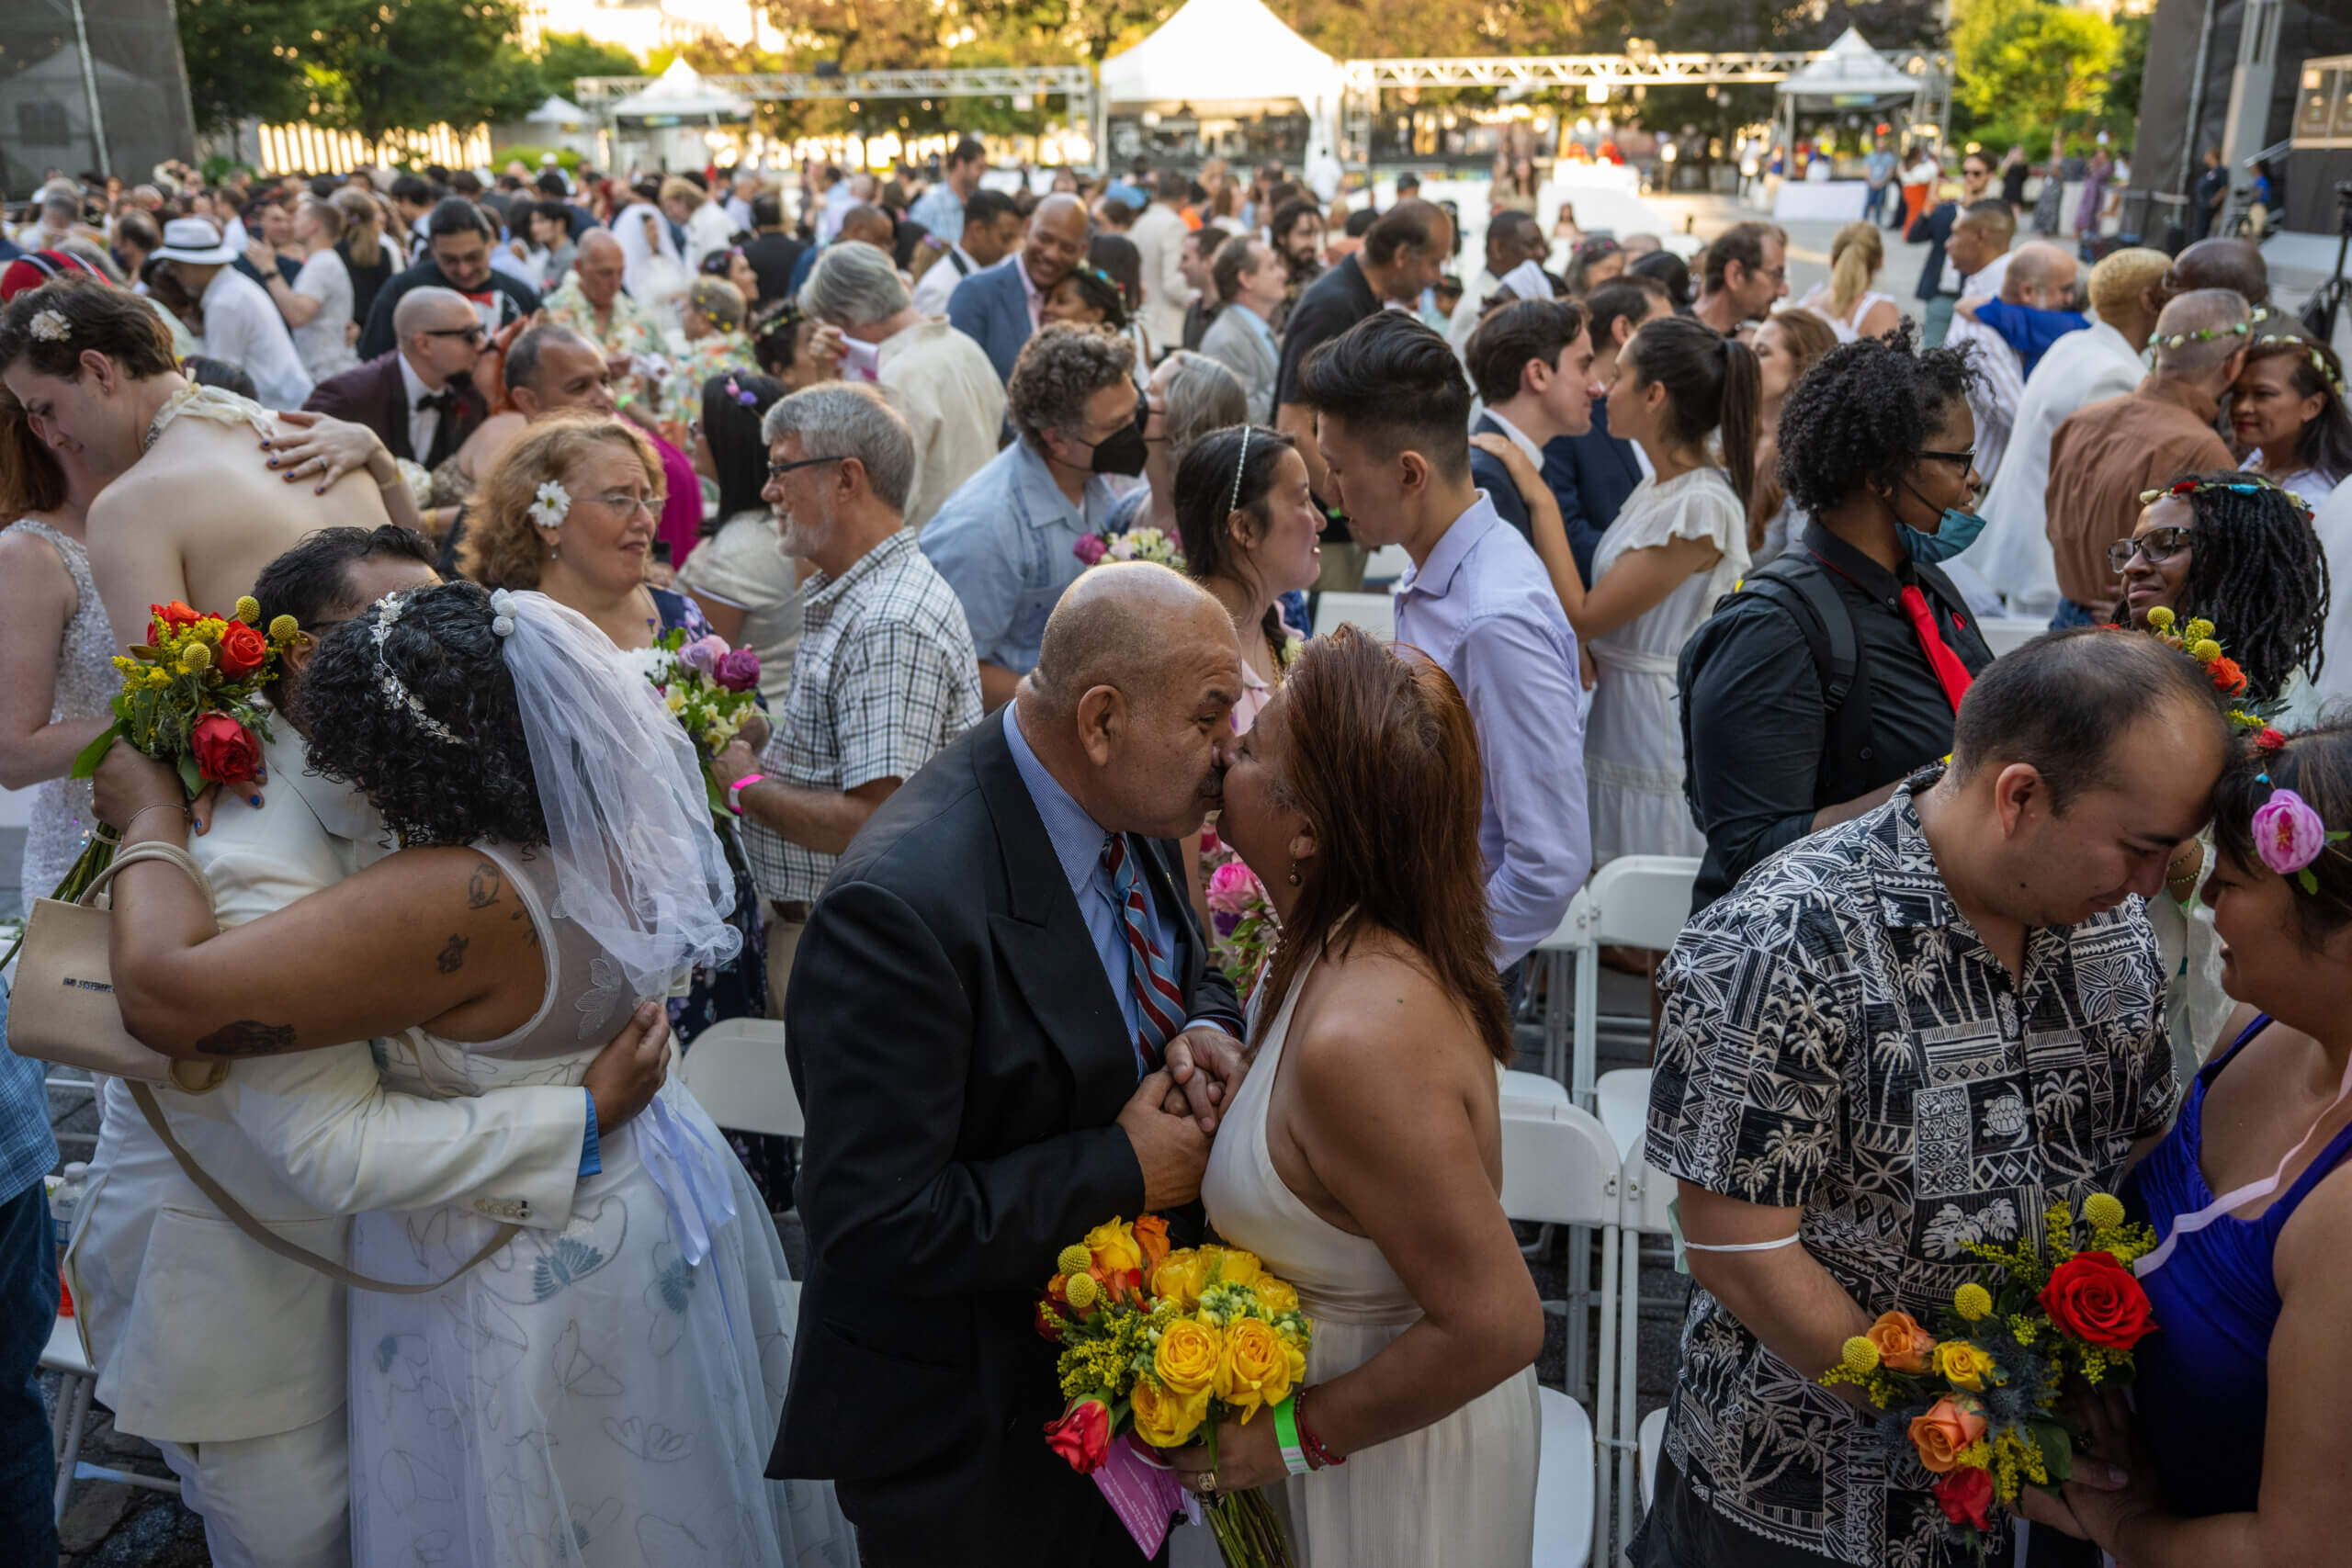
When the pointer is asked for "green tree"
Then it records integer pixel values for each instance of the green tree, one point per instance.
(565, 57)
(246, 59)
(2028, 62)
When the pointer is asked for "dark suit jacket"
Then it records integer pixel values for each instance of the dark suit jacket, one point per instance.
(1933, 226)
(991, 308)
(1489, 474)
(514, 300)
(374, 395)
(961, 1058)
(1591, 476)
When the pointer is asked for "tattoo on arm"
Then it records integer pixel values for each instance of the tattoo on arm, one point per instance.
(529, 930)
(248, 1037)
(452, 958)
(482, 888)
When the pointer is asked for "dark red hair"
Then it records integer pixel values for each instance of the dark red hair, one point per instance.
(1383, 763)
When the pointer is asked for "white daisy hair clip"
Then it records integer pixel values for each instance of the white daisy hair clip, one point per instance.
(552, 506)
(51, 326)
(502, 612)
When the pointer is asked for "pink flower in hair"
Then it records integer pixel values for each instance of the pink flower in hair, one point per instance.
(2287, 834)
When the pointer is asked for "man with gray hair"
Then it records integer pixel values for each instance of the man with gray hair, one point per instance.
(936, 377)
(884, 676)
(2104, 456)
(1007, 541)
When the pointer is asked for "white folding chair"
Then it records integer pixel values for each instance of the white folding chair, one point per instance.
(1374, 612)
(2009, 633)
(1643, 1192)
(736, 1069)
(1560, 1169)
(76, 1378)
(1564, 1472)
(1633, 901)
(1653, 1445)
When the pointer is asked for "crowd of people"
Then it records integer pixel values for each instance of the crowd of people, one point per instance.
(1018, 498)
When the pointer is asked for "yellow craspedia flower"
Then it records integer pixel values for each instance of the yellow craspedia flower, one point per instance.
(2205, 651)
(283, 628)
(248, 610)
(2159, 617)
(196, 656)
(1082, 1292)
(1862, 1356)
(1973, 1301)
(1963, 1364)
(2103, 1210)
(1253, 1369)
(1187, 1359)
(1165, 1418)
(1073, 1260)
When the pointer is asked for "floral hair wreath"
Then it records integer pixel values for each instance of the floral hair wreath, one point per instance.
(2252, 484)
(553, 505)
(2311, 349)
(2202, 334)
(2196, 641)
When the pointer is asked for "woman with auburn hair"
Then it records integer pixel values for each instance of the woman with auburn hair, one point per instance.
(1847, 302)
(1360, 1159)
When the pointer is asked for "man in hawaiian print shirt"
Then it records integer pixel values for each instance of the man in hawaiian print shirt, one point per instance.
(593, 303)
(1911, 1032)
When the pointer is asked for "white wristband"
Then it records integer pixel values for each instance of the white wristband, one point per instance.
(1739, 1245)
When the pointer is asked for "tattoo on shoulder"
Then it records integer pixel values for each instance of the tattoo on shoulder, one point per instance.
(248, 1037)
(452, 958)
(529, 929)
(482, 888)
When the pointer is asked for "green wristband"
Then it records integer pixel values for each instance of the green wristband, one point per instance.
(1286, 1434)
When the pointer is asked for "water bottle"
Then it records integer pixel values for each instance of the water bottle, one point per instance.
(64, 1197)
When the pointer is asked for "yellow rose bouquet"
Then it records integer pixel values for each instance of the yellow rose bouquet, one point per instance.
(1978, 1407)
(1159, 1347)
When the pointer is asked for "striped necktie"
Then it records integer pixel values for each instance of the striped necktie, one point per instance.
(1151, 974)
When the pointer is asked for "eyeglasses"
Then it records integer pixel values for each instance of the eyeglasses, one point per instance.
(777, 471)
(473, 333)
(627, 504)
(2159, 544)
(1966, 459)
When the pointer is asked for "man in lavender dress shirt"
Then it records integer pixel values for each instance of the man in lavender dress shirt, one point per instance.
(1392, 419)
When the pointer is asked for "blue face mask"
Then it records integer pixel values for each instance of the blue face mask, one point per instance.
(1955, 530)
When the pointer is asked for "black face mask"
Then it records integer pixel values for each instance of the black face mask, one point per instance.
(1124, 450)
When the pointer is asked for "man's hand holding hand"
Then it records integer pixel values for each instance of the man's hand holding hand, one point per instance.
(1172, 1149)
(1204, 1066)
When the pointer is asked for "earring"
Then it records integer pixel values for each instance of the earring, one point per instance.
(554, 550)
(1293, 873)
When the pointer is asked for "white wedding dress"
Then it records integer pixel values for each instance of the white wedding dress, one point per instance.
(601, 1396)
(1460, 1493)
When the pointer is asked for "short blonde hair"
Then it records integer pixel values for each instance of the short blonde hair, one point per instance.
(501, 547)
(676, 189)
(2123, 278)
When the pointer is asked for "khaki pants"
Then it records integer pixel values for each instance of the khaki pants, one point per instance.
(784, 941)
(281, 1501)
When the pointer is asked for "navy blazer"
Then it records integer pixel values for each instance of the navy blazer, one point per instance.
(1487, 472)
(991, 308)
(1591, 476)
(1933, 227)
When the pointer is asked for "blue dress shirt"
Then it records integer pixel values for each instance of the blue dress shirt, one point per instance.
(1482, 606)
(1006, 542)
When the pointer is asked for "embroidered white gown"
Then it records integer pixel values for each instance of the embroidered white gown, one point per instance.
(602, 1396)
(1459, 1493)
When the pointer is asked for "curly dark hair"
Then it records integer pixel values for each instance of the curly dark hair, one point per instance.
(2316, 764)
(2256, 571)
(1861, 416)
(430, 791)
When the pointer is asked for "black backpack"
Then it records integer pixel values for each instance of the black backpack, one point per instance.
(1810, 599)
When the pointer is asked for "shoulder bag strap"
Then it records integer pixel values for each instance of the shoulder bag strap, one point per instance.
(236, 1214)
(149, 850)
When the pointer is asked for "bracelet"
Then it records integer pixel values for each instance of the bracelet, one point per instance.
(1318, 1456)
(158, 805)
(1294, 1457)
(735, 791)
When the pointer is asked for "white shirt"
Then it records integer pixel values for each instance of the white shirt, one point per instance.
(243, 327)
(2334, 525)
(2000, 381)
(321, 342)
(1519, 438)
(423, 424)
(2080, 368)
(707, 231)
(932, 288)
(1158, 236)
(946, 389)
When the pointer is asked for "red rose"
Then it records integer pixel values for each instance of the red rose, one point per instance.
(242, 651)
(226, 752)
(2094, 1298)
(1966, 1497)
(169, 616)
(1082, 1437)
(1050, 1322)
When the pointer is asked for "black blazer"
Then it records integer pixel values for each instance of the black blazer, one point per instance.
(960, 1056)
(374, 395)
(1933, 227)
(1590, 475)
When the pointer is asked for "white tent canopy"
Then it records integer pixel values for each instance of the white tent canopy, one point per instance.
(1851, 70)
(558, 110)
(679, 93)
(1221, 51)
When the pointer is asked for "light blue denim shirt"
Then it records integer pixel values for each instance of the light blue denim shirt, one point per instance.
(1006, 542)
(1482, 606)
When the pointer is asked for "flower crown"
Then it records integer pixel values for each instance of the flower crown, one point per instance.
(2251, 484)
(2319, 360)
(2196, 641)
(2202, 334)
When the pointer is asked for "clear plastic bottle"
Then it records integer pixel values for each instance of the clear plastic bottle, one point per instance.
(64, 1199)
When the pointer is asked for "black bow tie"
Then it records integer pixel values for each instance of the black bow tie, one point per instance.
(445, 401)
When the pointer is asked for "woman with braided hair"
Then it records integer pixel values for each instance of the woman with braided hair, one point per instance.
(2287, 414)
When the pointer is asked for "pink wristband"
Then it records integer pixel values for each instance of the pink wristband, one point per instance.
(735, 791)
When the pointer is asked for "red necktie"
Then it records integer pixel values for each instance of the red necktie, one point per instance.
(1951, 673)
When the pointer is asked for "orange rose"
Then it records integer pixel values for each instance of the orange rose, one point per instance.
(169, 618)
(1902, 1345)
(1951, 1425)
(1151, 1234)
(242, 651)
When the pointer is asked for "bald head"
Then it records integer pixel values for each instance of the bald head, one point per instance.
(1993, 220)
(429, 308)
(2041, 274)
(2213, 324)
(868, 225)
(1056, 239)
(597, 242)
(2234, 264)
(1117, 625)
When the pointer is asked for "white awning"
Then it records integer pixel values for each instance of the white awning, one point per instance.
(558, 110)
(1215, 53)
(1853, 69)
(681, 94)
